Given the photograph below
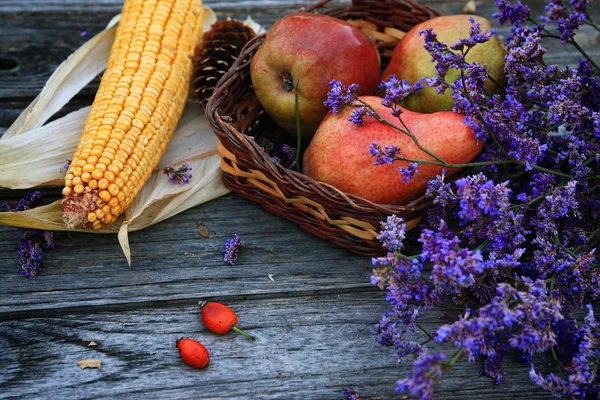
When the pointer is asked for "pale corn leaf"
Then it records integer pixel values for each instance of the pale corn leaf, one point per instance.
(124, 242)
(209, 18)
(255, 26)
(194, 139)
(48, 217)
(36, 157)
(68, 79)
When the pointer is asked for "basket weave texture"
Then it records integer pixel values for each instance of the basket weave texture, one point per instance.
(238, 120)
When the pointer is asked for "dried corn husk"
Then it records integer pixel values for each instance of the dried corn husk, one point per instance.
(33, 154)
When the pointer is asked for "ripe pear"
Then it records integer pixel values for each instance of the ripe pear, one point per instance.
(411, 62)
(339, 152)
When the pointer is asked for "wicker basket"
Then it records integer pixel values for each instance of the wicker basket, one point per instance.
(239, 121)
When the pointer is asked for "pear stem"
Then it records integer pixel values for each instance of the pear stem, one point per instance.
(241, 332)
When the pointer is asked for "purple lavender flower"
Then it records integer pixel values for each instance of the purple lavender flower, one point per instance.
(493, 363)
(357, 115)
(515, 13)
(389, 335)
(350, 394)
(339, 96)
(523, 63)
(180, 175)
(48, 239)
(516, 242)
(440, 191)
(582, 377)
(30, 251)
(29, 200)
(232, 249)
(409, 172)
(396, 91)
(476, 36)
(67, 164)
(480, 197)
(567, 23)
(428, 369)
(290, 154)
(393, 233)
(387, 155)
(534, 315)
(469, 95)
(453, 267)
(30, 258)
(443, 58)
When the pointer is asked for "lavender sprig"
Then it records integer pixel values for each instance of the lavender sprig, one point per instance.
(232, 249)
(29, 200)
(180, 175)
(30, 251)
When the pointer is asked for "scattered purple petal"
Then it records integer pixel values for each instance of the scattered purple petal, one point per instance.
(232, 249)
(180, 175)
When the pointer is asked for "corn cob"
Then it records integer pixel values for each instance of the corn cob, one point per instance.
(138, 104)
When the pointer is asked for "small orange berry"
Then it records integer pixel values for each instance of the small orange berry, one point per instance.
(193, 353)
(219, 318)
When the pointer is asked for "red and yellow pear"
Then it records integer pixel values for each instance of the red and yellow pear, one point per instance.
(339, 152)
(411, 62)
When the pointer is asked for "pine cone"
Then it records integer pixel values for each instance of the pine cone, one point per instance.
(217, 52)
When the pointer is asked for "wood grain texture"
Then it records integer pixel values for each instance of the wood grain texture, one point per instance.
(307, 347)
(312, 322)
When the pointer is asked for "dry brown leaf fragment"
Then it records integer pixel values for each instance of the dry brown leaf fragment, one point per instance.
(92, 344)
(83, 364)
(202, 230)
(470, 7)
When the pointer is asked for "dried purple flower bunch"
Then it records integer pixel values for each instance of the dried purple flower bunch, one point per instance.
(232, 249)
(30, 200)
(279, 152)
(30, 251)
(514, 244)
(33, 241)
(180, 175)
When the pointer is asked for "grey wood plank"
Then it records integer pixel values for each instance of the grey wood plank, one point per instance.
(307, 347)
(171, 262)
(18, 6)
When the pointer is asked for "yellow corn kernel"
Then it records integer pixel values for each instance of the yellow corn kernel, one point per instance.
(104, 195)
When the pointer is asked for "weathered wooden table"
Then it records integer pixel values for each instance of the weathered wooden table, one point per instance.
(312, 320)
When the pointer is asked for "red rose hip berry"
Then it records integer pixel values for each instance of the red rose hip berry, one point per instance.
(193, 353)
(219, 318)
